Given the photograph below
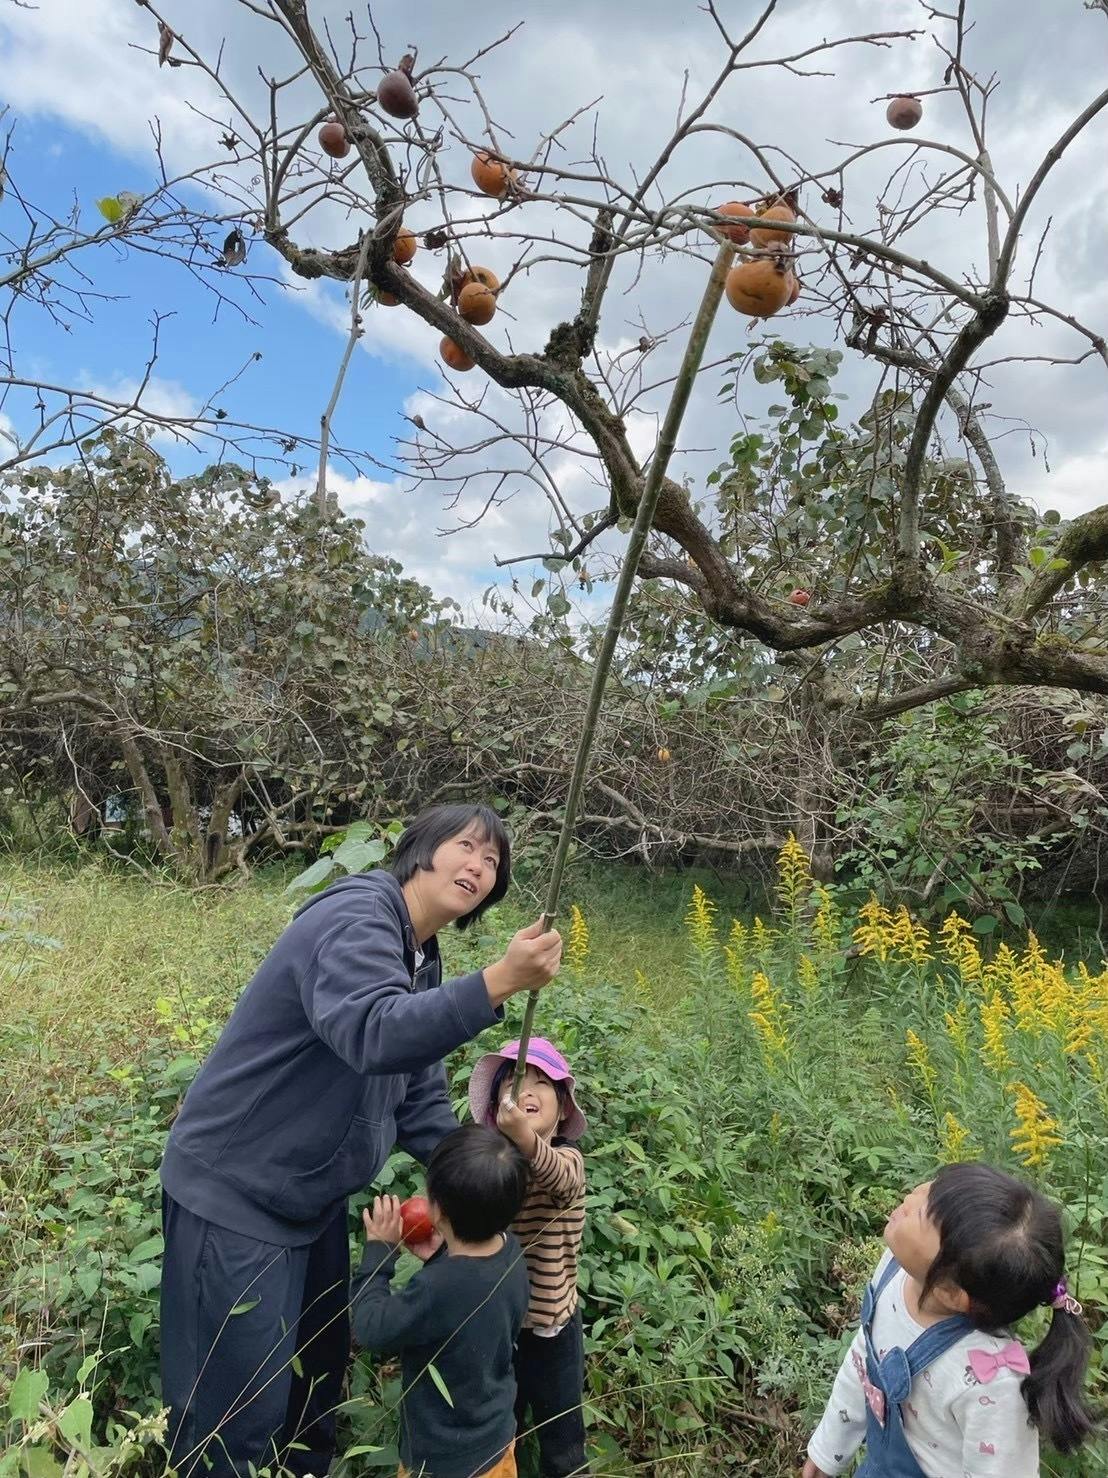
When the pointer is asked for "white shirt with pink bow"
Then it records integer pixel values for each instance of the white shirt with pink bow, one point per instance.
(964, 1417)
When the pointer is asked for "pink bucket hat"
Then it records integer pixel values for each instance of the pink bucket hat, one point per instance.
(541, 1054)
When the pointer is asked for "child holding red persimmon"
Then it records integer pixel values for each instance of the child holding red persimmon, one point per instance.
(454, 1325)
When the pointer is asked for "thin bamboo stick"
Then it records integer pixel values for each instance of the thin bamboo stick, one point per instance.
(644, 517)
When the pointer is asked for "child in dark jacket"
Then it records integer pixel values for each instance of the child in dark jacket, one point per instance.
(455, 1324)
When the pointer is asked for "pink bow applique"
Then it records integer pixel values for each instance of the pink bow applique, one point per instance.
(1012, 1357)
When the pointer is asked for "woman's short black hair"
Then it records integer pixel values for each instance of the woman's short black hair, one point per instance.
(415, 850)
(478, 1179)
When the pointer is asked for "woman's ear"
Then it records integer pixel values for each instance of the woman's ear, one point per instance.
(437, 1216)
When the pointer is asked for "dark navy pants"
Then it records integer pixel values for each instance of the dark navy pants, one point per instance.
(254, 1344)
(550, 1377)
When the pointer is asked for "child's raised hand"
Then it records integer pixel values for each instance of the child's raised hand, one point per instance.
(512, 1121)
(384, 1223)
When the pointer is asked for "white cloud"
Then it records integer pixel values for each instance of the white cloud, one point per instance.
(158, 397)
(1074, 485)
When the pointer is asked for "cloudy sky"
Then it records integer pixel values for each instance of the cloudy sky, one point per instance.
(83, 92)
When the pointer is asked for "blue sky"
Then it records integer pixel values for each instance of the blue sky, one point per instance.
(202, 342)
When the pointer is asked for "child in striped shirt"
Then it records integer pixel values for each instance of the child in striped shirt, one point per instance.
(545, 1124)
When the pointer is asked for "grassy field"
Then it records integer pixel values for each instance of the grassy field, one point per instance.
(758, 1102)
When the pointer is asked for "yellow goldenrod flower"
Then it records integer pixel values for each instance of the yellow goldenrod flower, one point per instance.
(994, 1048)
(794, 876)
(919, 1060)
(734, 952)
(1056, 1002)
(1001, 970)
(957, 1027)
(577, 944)
(807, 974)
(769, 1018)
(1077, 1038)
(642, 987)
(952, 930)
(909, 938)
(1088, 1011)
(960, 948)
(954, 1141)
(1034, 1137)
(699, 921)
(826, 925)
(762, 937)
(874, 934)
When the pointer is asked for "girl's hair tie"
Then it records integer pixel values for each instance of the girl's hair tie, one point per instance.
(1062, 1299)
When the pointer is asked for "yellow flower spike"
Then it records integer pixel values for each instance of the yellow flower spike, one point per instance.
(794, 875)
(826, 926)
(994, 1014)
(1034, 1137)
(699, 921)
(769, 1018)
(1077, 1039)
(909, 938)
(960, 948)
(642, 987)
(577, 944)
(919, 1060)
(763, 937)
(734, 952)
(954, 1141)
(875, 934)
(1001, 970)
(1023, 988)
(952, 930)
(807, 974)
(957, 1027)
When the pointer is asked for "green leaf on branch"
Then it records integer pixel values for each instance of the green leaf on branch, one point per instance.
(75, 1423)
(356, 856)
(27, 1394)
(313, 876)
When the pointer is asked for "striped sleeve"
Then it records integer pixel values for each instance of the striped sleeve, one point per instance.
(550, 1226)
(560, 1172)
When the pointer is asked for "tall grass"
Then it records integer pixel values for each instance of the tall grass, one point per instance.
(762, 1078)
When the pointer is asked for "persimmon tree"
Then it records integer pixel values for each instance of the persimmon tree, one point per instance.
(852, 572)
(1021, 607)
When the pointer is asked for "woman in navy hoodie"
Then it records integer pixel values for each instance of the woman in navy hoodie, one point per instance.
(332, 1056)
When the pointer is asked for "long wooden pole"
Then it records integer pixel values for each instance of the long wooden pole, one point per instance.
(644, 517)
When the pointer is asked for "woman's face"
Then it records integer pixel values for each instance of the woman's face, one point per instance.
(463, 871)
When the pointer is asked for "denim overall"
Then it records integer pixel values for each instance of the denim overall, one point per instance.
(887, 1452)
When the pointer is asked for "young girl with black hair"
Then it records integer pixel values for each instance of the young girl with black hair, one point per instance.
(934, 1384)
